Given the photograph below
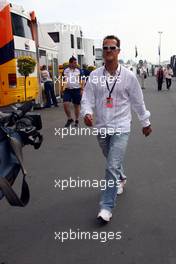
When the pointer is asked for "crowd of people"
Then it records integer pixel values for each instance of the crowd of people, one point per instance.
(164, 73)
(160, 72)
(73, 90)
(72, 81)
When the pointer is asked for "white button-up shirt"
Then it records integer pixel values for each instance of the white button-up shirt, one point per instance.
(168, 73)
(127, 94)
(72, 78)
(45, 76)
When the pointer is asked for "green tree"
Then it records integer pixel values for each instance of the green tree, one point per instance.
(26, 65)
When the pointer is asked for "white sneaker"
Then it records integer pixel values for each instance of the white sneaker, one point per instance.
(121, 187)
(104, 215)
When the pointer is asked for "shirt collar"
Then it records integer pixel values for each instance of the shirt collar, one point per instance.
(117, 71)
(73, 70)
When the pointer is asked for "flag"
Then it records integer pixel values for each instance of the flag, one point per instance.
(136, 52)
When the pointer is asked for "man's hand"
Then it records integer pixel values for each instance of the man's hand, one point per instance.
(88, 120)
(147, 130)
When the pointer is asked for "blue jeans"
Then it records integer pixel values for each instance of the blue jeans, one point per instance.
(49, 92)
(113, 147)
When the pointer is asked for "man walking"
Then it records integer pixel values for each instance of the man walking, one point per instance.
(143, 76)
(159, 77)
(110, 93)
(168, 75)
(72, 91)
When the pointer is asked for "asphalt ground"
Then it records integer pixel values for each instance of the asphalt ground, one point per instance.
(145, 214)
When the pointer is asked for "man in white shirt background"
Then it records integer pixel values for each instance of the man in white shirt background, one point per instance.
(72, 92)
(111, 101)
(142, 76)
(168, 75)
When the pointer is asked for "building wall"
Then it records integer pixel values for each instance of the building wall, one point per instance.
(65, 51)
(89, 49)
(98, 57)
(84, 54)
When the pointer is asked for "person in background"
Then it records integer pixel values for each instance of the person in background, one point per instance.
(148, 72)
(48, 87)
(142, 75)
(72, 92)
(137, 71)
(159, 77)
(153, 70)
(168, 73)
(85, 70)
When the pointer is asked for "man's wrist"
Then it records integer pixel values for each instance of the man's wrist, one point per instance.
(88, 115)
(147, 126)
(145, 123)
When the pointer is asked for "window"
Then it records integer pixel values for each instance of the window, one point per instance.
(72, 41)
(79, 43)
(12, 80)
(42, 53)
(98, 54)
(21, 26)
(80, 60)
(55, 36)
(19, 53)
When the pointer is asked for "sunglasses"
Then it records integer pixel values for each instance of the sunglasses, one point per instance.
(111, 48)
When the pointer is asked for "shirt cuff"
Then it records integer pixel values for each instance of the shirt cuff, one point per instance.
(86, 112)
(145, 123)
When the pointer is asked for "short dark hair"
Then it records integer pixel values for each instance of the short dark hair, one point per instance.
(72, 59)
(113, 37)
